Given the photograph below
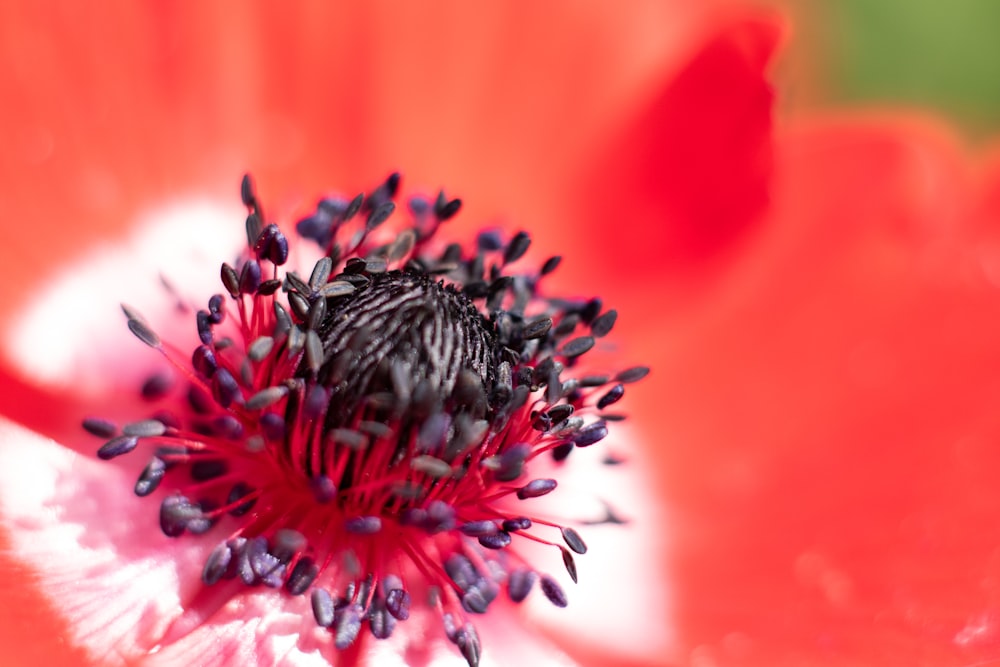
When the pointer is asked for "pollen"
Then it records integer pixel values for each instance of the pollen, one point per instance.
(368, 433)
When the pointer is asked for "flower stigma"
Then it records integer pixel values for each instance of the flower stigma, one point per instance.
(371, 435)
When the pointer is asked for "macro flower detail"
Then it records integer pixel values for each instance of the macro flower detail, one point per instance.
(375, 435)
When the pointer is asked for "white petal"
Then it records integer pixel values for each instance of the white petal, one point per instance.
(74, 327)
(117, 589)
(623, 598)
(123, 587)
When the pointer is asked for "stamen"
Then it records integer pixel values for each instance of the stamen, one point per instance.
(382, 415)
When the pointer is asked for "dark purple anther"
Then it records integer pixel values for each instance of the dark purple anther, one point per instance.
(117, 447)
(575, 542)
(322, 607)
(102, 428)
(204, 321)
(202, 522)
(562, 451)
(560, 413)
(553, 591)
(413, 516)
(489, 240)
(216, 307)
(146, 428)
(461, 571)
(142, 331)
(517, 523)
(517, 247)
(433, 432)
(537, 329)
(176, 512)
(332, 208)
(380, 215)
(226, 426)
(203, 360)
(268, 287)
(151, 477)
(271, 245)
(633, 374)
(224, 387)
(243, 567)
(239, 491)
(591, 310)
(440, 516)
(230, 280)
(577, 346)
(253, 226)
(302, 576)
(286, 543)
(363, 525)
(348, 625)
(353, 207)
(474, 602)
(272, 425)
(446, 210)
(418, 205)
(550, 265)
(316, 228)
(247, 194)
(612, 396)
(519, 584)
(323, 489)
(468, 643)
(380, 621)
(250, 277)
(157, 386)
(536, 488)
(512, 462)
(397, 602)
(590, 434)
(265, 565)
(278, 252)
(315, 403)
(568, 561)
(479, 528)
(602, 325)
(217, 564)
(495, 541)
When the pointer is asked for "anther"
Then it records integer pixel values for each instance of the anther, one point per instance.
(574, 541)
(553, 591)
(117, 447)
(536, 488)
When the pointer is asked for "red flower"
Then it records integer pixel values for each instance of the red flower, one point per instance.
(818, 299)
(197, 115)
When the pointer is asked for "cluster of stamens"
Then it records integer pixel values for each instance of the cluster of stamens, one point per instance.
(366, 434)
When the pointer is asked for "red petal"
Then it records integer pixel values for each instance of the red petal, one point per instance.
(830, 425)
(120, 110)
(689, 178)
(31, 631)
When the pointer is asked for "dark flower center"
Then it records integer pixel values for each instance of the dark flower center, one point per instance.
(410, 339)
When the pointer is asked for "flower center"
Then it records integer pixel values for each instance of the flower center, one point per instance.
(367, 434)
(411, 340)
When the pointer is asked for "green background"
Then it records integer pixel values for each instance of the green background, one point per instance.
(943, 55)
